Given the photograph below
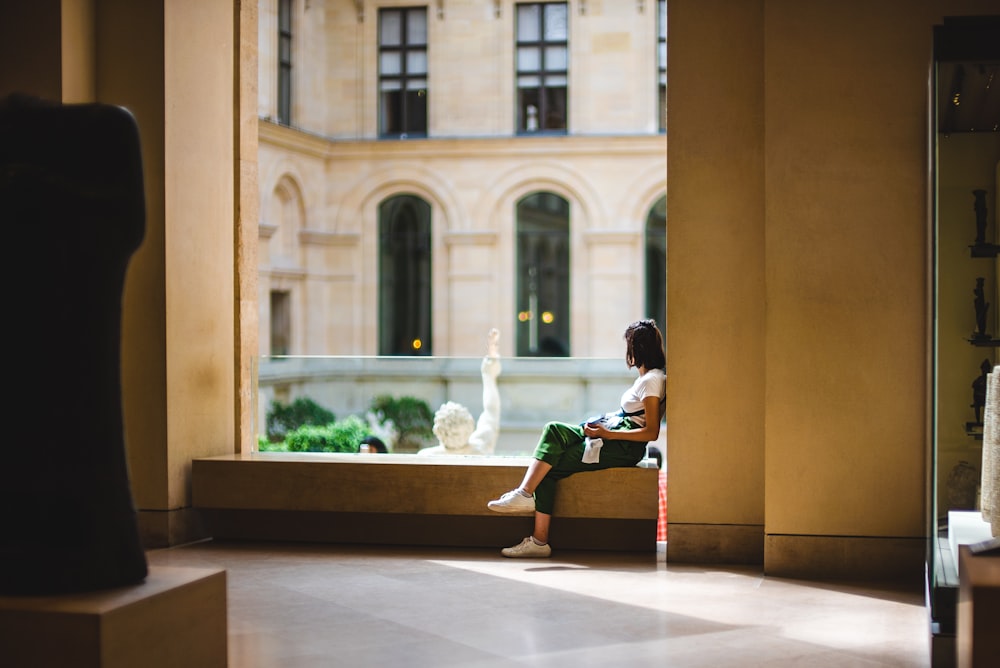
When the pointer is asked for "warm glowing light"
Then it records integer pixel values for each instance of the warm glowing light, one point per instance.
(524, 316)
(417, 344)
(547, 317)
(956, 99)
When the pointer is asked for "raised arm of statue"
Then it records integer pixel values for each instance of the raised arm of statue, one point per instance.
(453, 423)
(492, 343)
(484, 438)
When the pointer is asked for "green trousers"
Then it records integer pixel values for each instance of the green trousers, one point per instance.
(562, 445)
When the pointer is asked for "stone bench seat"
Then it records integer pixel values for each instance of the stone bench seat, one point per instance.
(402, 499)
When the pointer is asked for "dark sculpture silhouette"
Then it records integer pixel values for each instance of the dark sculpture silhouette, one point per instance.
(979, 206)
(73, 213)
(981, 247)
(979, 390)
(982, 308)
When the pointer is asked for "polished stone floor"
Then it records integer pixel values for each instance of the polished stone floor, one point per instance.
(293, 606)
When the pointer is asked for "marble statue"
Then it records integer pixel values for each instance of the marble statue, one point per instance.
(454, 427)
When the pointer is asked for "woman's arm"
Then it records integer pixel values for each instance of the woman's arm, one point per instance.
(650, 432)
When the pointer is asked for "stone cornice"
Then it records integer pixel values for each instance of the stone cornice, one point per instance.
(323, 238)
(609, 236)
(285, 272)
(549, 146)
(470, 238)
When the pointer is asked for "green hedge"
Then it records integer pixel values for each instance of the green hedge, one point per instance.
(342, 436)
(411, 416)
(283, 419)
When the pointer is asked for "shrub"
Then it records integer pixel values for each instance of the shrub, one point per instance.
(411, 417)
(265, 445)
(342, 436)
(285, 418)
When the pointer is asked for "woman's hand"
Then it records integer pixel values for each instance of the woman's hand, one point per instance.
(595, 430)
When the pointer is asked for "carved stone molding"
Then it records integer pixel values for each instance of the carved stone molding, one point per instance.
(324, 238)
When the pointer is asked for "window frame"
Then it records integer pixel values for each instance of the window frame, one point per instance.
(412, 120)
(545, 93)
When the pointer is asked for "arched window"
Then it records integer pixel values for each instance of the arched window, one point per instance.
(543, 276)
(281, 254)
(656, 263)
(404, 271)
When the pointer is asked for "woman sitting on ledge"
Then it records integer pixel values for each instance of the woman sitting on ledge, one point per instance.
(613, 440)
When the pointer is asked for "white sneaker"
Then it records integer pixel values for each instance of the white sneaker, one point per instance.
(527, 549)
(513, 502)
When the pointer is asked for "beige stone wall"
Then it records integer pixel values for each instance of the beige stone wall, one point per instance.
(798, 269)
(611, 167)
(471, 71)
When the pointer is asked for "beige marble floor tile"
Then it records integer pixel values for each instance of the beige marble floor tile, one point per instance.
(299, 606)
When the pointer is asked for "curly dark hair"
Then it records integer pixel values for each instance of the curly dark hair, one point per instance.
(644, 345)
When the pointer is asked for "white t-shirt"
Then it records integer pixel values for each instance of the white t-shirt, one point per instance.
(652, 383)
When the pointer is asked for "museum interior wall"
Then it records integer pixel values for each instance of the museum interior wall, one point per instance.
(174, 70)
(797, 283)
(799, 148)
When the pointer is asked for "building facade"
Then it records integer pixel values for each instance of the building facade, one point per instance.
(428, 172)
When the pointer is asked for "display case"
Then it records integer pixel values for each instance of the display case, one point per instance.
(965, 154)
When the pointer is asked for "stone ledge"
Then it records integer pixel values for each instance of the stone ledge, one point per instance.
(414, 500)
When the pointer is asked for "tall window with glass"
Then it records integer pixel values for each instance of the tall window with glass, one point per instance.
(404, 275)
(543, 276)
(656, 263)
(285, 62)
(542, 61)
(661, 60)
(402, 72)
